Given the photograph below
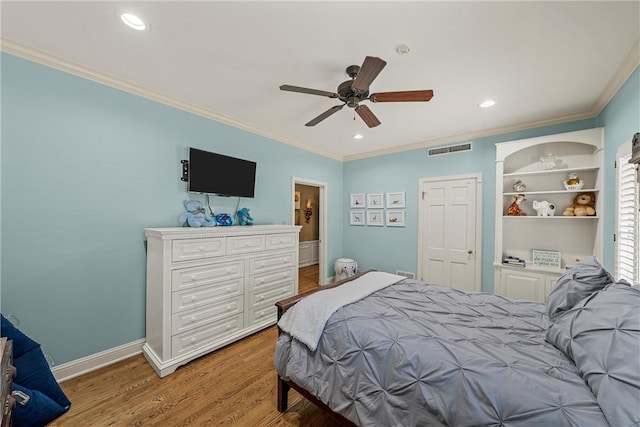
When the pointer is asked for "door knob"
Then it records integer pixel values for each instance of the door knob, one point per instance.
(470, 251)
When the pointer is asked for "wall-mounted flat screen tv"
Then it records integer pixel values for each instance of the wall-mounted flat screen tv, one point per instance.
(214, 173)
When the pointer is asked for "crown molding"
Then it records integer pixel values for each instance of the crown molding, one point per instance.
(469, 136)
(628, 66)
(53, 61)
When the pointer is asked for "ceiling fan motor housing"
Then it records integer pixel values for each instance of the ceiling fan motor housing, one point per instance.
(346, 94)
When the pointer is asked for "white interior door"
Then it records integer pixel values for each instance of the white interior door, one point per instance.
(450, 230)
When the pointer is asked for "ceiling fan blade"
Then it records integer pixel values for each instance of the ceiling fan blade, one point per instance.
(309, 91)
(324, 115)
(369, 70)
(403, 96)
(367, 116)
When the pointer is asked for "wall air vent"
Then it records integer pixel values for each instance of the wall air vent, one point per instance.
(449, 149)
(407, 274)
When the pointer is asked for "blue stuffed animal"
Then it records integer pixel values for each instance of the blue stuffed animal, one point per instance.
(223, 219)
(195, 216)
(244, 218)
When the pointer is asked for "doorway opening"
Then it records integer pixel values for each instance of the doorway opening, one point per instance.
(308, 210)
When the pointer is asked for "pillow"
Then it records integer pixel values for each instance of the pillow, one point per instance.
(21, 342)
(585, 278)
(38, 411)
(601, 334)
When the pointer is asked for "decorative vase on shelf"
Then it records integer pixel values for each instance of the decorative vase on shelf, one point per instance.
(519, 187)
(573, 183)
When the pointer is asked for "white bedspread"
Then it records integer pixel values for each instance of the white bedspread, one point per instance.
(305, 321)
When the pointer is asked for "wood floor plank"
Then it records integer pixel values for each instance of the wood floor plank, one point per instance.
(233, 386)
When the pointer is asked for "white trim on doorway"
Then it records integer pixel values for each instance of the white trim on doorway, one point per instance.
(477, 177)
(322, 221)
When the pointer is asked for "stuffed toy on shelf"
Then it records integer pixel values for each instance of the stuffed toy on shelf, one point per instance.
(583, 205)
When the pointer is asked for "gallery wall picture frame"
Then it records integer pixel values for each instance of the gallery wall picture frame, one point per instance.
(375, 217)
(357, 200)
(395, 218)
(396, 200)
(357, 217)
(375, 200)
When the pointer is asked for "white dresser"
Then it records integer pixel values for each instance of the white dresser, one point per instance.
(208, 287)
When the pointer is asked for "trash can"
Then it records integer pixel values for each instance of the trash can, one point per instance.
(345, 268)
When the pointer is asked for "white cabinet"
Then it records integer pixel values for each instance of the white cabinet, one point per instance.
(543, 164)
(208, 287)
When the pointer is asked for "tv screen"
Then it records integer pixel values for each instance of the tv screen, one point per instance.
(214, 173)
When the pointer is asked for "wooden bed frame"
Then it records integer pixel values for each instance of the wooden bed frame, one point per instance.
(283, 385)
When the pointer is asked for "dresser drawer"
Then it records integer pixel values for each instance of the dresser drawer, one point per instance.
(186, 250)
(262, 282)
(205, 335)
(263, 314)
(185, 321)
(271, 262)
(205, 295)
(211, 274)
(271, 296)
(245, 244)
(281, 241)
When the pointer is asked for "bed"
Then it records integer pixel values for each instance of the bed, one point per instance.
(412, 354)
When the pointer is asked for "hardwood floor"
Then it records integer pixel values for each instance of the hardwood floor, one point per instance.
(233, 386)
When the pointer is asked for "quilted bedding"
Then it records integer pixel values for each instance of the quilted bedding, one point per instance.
(424, 355)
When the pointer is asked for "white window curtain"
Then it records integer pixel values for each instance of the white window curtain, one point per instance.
(627, 259)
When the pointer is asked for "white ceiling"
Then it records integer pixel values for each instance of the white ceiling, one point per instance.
(543, 62)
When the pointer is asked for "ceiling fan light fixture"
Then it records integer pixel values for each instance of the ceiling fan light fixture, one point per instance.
(488, 103)
(132, 21)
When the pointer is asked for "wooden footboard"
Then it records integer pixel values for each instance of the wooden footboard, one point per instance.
(283, 385)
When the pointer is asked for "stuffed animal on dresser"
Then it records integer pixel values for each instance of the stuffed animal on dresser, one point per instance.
(514, 209)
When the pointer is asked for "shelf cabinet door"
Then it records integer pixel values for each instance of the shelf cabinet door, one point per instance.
(524, 285)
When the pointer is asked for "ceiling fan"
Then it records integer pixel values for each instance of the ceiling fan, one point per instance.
(354, 91)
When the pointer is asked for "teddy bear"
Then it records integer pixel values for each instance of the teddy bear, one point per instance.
(244, 218)
(195, 216)
(583, 205)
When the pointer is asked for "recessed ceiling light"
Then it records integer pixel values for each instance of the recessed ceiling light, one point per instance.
(357, 136)
(132, 21)
(487, 103)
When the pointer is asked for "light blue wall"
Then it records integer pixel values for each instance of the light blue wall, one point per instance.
(621, 119)
(395, 248)
(392, 249)
(85, 168)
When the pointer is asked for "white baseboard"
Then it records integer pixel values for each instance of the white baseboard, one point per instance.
(78, 367)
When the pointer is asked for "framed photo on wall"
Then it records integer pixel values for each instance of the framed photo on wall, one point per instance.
(395, 218)
(356, 217)
(375, 217)
(375, 200)
(357, 200)
(396, 200)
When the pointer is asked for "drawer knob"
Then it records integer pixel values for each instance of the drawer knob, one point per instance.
(261, 314)
(228, 307)
(193, 339)
(228, 327)
(201, 248)
(228, 271)
(193, 318)
(284, 290)
(260, 280)
(284, 261)
(261, 297)
(228, 289)
(262, 264)
(193, 278)
(193, 298)
(247, 244)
